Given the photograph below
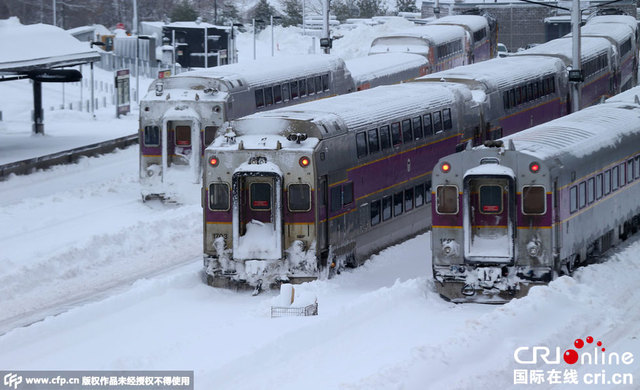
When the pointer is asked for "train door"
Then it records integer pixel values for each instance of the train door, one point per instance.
(257, 215)
(489, 218)
(180, 138)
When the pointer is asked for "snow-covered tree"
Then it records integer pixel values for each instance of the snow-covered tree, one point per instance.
(292, 12)
(183, 12)
(263, 11)
(370, 8)
(406, 6)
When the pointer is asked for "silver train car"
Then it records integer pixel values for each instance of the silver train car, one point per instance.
(521, 210)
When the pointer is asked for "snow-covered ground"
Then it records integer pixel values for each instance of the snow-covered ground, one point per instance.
(107, 282)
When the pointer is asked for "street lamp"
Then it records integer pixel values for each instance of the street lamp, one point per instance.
(233, 57)
(93, 115)
(277, 18)
(138, 38)
(254, 35)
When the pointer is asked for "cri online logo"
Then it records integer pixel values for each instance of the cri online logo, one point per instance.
(581, 353)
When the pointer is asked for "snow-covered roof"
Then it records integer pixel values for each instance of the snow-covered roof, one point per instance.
(372, 67)
(25, 47)
(563, 48)
(499, 72)
(195, 25)
(609, 19)
(618, 32)
(433, 33)
(474, 22)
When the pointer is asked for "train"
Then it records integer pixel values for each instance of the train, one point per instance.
(524, 209)
(181, 115)
(296, 192)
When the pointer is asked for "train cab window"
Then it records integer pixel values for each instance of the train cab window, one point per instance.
(311, 86)
(219, 196)
(210, 134)
(490, 199)
(623, 176)
(447, 200)
(582, 194)
(374, 144)
(361, 144)
(437, 122)
(385, 138)
(260, 194)
(152, 136)
(387, 203)
(325, 82)
(347, 194)
(630, 169)
(573, 199)
(615, 178)
(428, 126)
(259, 98)
(446, 119)
(336, 198)
(375, 212)
(505, 100)
(318, 84)
(396, 136)
(599, 186)
(299, 197)
(419, 194)
(183, 135)
(607, 182)
(407, 134)
(397, 203)
(591, 190)
(293, 86)
(286, 96)
(408, 199)
(268, 96)
(277, 94)
(417, 127)
(533, 200)
(302, 84)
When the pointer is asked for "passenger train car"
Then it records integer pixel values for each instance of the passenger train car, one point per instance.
(290, 192)
(534, 205)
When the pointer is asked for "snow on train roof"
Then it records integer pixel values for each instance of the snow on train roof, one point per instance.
(372, 67)
(619, 32)
(628, 96)
(590, 46)
(434, 33)
(613, 19)
(581, 133)
(500, 72)
(475, 22)
(265, 71)
(354, 110)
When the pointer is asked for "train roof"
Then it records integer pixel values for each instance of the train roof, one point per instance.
(353, 111)
(433, 33)
(474, 22)
(612, 19)
(580, 134)
(562, 47)
(372, 67)
(618, 32)
(499, 72)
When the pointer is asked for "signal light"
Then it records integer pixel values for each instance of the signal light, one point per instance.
(445, 167)
(534, 167)
(304, 162)
(214, 161)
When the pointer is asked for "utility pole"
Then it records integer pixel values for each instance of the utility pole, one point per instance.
(575, 76)
(325, 27)
(54, 12)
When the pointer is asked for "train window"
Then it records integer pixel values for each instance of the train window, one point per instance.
(552, 84)
(311, 86)
(285, 92)
(542, 86)
(407, 134)
(518, 96)
(582, 194)
(397, 203)
(277, 94)
(637, 164)
(437, 122)
(523, 92)
(607, 182)
(318, 84)
(573, 199)
(259, 98)
(325, 82)
(535, 90)
(417, 127)
(268, 96)
(294, 89)
(630, 168)
(336, 198)
(427, 191)
(408, 199)
(385, 139)
(530, 94)
(151, 136)
(615, 178)
(219, 196)
(210, 134)
(374, 144)
(302, 84)
(446, 119)
(299, 197)
(490, 199)
(591, 190)
(347, 194)
(623, 176)
(428, 126)
(183, 135)
(375, 212)
(505, 100)
(396, 137)
(419, 194)
(387, 203)
(361, 144)
(512, 98)
(447, 200)
(260, 194)
(599, 186)
(533, 200)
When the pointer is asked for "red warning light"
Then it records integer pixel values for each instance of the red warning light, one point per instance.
(214, 161)
(304, 162)
(534, 167)
(445, 167)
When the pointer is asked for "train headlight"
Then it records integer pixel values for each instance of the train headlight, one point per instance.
(304, 162)
(213, 161)
(534, 248)
(450, 248)
(445, 167)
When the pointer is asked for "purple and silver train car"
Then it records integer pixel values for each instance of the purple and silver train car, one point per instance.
(480, 32)
(521, 210)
